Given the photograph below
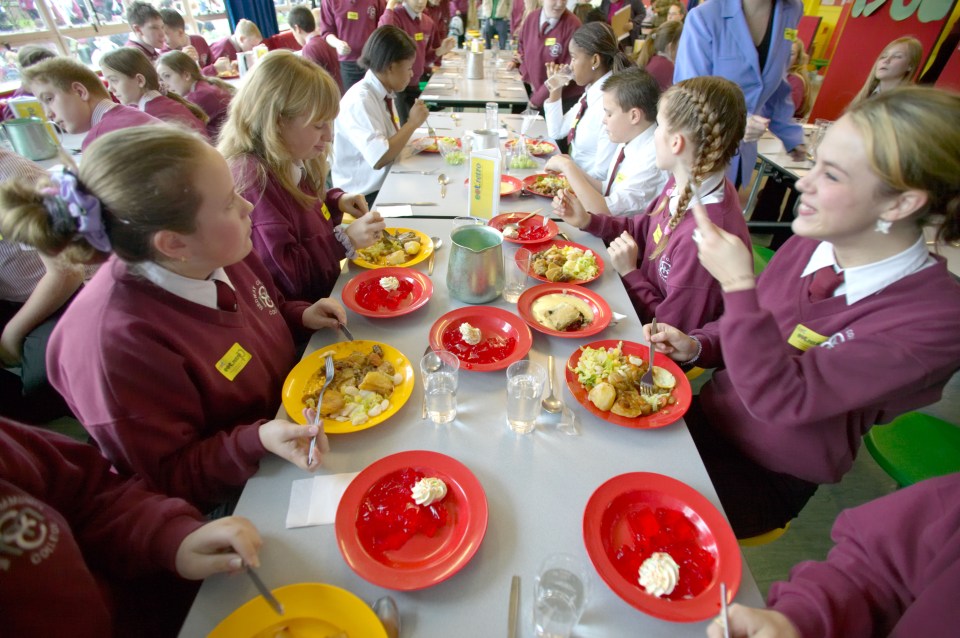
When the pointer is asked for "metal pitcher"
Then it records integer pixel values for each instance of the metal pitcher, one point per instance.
(475, 266)
(28, 136)
(475, 65)
(484, 139)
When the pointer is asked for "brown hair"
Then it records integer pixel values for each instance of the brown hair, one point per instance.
(711, 113)
(62, 73)
(131, 62)
(180, 62)
(666, 34)
(914, 52)
(597, 38)
(144, 178)
(635, 89)
(31, 54)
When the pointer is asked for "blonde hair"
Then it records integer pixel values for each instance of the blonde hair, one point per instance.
(144, 178)
(248, 29)
(895, 126)
(62, 73)
(132, 62)
(711, 113)
(914, 53)
(799, 69)
(297, 87)
(663, 36)
(182, 64)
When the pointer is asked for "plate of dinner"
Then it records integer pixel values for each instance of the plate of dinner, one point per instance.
(564, 310)
(535, 230)
(483, 338)
(604, 377)
(391, 540)
(387, 292)
(534, 147)
(399, 247)
(637, 524)
(371, 383)
(560, 261)
(545, 184)
(509, 185)
(309, 609)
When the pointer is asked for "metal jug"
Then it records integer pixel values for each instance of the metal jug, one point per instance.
(474, 65)
(475, 266)
(28, 136)
(484, 139)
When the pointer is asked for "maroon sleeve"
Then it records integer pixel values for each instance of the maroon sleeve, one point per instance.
(328, 21)
(388, 17)
(332, 200)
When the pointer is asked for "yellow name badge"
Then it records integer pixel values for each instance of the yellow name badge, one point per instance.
(803, 338)
(325, 211)
(352, 15)
(620, 177)
(549, 42)
(657, 234)
(418, 36)
(790, 34)
(234, 361)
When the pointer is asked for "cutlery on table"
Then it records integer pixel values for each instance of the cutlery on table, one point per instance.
(328, 377)
(265, 591)
(443, 180)
(408, 203)
(723, 607)
(386, 610)
(346, 332)
(646, 381)
(514, 607)
(437, 242)
(516, 225)
(551, 403)
(423, 411)
(401, 172)
(430, 130)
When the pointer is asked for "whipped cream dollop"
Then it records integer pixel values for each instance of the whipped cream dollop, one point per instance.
(428, 490)
(511, 231)
(659, 574)
(470, 334)
(389, 283)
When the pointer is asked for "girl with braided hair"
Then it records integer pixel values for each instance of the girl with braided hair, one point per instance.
(699, 124)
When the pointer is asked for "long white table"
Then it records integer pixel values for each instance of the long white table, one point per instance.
(536, 487)
(449, 85)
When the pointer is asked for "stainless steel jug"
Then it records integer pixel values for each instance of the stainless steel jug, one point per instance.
(28, 136)
(484, 139)
(475, 266)
(474, 65)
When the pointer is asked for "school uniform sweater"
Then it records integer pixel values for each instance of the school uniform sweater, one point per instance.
(296, 244)
(118, 117)
(203, 52)
(804, 413)
(151, 53)
(214, 101)
(440, 15)
(224, 48)
(148, 375)
(674, 287)
(168, 110)
(424, 35)
(661, 68)
(351, 21)
(537, 50)
(74, 533)
(318, 51)
(895, 570)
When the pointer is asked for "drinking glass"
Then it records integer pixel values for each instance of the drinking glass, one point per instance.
(560, 79)
(439, 372)
(516, 274)
(493, 116)
(525, 381)
(560, 596)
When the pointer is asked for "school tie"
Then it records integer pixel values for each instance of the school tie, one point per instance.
(389, 102)
(825, 281)
(543, 28)
(613, 175)
(226, 297)
(576, 121)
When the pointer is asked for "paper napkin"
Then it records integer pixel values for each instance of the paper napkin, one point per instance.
(395, 211)
(314, 501)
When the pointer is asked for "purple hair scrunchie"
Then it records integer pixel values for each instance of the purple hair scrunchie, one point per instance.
(83, 208)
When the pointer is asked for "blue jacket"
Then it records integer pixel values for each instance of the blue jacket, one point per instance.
(717, 41)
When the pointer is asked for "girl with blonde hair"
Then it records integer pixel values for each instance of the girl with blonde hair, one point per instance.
(659, 51)
(699, 125)
(797, 77)
(277, 150)
(179, 72)
(896, 65)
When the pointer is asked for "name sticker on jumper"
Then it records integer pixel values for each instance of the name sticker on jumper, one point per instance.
(418, 36)
(325, 211)
(549, 42)
(803, 338)
(657, 234)
(352, 15)
(234, 361)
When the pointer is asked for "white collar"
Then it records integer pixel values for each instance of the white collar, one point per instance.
(199, 291)
(371, 78)
(633, 147)
(100, 110)
(146, 46)
(595, 89)
(860, 282)
(711, 191)
(552, 22)
(410, 12)
(296, 171)
(146, 97)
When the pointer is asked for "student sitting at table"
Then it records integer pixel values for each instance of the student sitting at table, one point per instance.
(544, 39)
(894, 571)
(315, 48)
(852, 322)
(147, 27)
(659, 51)
(245, 38)
(367, 138)
(110, 557)
(172, 357)
(408, 16)
(277, 150)
(594, 57)
(797, 77)
(633, 179)
(897, 65)
(180, 74)
(74, 97)
(175, 32)
(699, 125)
(134, 82)
(27, 56)
(346, 25)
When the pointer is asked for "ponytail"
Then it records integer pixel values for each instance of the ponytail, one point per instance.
(197, 112)
(596, 38)
(646, 53)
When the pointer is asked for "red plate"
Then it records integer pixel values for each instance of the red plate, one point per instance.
(601, 311)
(434, 146)
(417, 298)
(508, 186)
(540, 151)
(536, 221)
(528, 184)
(422, 561)
(561, 243)
(666, 416)
(605, 529)
(490, 321)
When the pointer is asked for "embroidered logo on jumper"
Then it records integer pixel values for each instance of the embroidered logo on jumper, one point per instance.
(837, 338)
(235, 360)
(261, 297)
(803, 338)
(24, 530)
(372, 12)
(663, 268)
(555, 50)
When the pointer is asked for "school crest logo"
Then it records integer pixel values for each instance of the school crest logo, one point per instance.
(24, 530)
(837, 338)
(262, 298)
(556, 50)
(663, 267)
(372, 12)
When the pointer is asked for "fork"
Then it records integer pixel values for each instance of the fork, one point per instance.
(646, 381)
(415, 172)
(430, 130)
(328, 377)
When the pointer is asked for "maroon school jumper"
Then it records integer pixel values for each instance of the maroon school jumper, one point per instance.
(147, 373)
(351, 21)
(168, 110)
(116, 118)
(317, 50)
(296, 244)
(223, 48)
(421, 30)
(661, 68)
(895, 570)
(214, 101)
(537, 50)
(151, 53)
(78, 538)
(516, 18)
(674, 287)
(203, 52)
(440, 15)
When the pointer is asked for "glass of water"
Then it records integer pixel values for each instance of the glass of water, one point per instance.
(525, 380)
(492, 116)
(439, 373)
(560, 596)
(516, 274)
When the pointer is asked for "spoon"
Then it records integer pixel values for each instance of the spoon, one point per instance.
(437, 242)
(443, 180)
(386, 610)
(516, 225)
(551, 403)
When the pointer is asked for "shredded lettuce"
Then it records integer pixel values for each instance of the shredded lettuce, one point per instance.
(596, 364)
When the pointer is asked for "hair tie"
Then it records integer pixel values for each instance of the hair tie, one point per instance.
(73, 210)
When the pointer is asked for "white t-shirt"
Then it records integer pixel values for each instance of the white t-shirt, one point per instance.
(638, 181)
(362, 133)
(592, 149)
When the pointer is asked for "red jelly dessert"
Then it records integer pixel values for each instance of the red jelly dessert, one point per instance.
(490, 349)
(666, 530)
(388, 517)
(532, 232)
(372, 296)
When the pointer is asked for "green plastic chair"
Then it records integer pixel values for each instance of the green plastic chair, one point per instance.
(914, 447)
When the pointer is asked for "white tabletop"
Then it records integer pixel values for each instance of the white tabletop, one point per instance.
(449, 85)
(536, 488)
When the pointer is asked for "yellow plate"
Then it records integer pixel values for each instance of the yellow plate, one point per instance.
(310, 610)
(301, 373)
(426, 249)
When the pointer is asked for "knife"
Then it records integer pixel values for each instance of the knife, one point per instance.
(406, 203)
(346, 332)
(266, 593)
(514, 607)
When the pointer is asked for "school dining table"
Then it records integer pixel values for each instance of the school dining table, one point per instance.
(449, 86)
(773, 159)
(536, 485)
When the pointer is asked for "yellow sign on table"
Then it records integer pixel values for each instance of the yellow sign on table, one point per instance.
(483, 198)
(29, 106)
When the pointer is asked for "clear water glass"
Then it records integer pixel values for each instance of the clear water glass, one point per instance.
(492, 116)
(560, 596)
(516, 274)
(560, 79)
(525, 381)
(439, 372)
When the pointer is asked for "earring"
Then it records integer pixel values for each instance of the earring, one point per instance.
(883, 226)
(593, 68)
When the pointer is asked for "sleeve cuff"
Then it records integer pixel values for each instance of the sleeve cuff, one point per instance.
(341, 235)
(169, 537)
(741, 302)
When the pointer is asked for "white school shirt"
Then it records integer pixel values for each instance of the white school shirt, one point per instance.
(100, 110)
(362, 133)
(639, 181)
(199, 291)
(592, 150)
(146, 97)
